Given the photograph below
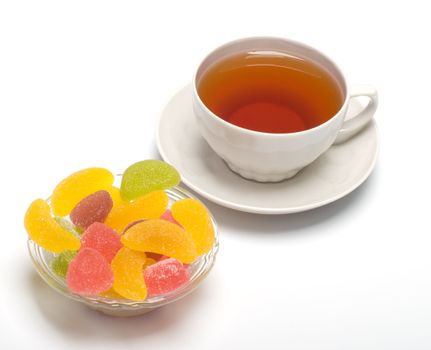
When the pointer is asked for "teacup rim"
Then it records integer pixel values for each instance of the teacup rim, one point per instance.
(262, 133)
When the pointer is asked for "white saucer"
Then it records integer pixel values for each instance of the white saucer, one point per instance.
(333, 175)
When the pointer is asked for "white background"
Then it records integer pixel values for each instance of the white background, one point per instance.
(82, 83)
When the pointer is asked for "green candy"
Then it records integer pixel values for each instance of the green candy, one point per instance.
(60, 263)
(148, 176)
(68, 226)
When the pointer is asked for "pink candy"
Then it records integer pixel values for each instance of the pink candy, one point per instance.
(89, 273)
(165, 276)
(102, 238)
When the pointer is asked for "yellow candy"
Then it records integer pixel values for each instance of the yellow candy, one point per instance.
(77, 186)
(111, 294)
(149, 262)
(127, 267)
(115, 195)
(194, 217)
(45, 231)
(150, 206)
(162, 237)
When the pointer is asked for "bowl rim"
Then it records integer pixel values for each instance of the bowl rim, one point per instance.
(205, 264)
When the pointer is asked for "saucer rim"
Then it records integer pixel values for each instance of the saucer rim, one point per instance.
(265, 210)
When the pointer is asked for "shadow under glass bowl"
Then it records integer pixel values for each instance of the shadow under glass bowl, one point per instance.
(122, 307)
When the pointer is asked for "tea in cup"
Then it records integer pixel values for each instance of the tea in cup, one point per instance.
(270, 106)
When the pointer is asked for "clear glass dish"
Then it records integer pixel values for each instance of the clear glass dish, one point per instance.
(121, 307)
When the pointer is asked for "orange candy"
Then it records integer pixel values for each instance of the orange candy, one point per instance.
(77, 186)
(46, 231)
(194, 217)
(149, 206)
(162, 237)
(127, 267)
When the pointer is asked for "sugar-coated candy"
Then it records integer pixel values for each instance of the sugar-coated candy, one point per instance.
(111, 294)
(132, 224)
(61, 262)
(67, 225)
(93, 208)
(149, 262)
(167, 215)
(77, 186)
(45, 231)
(149, 206)
(162, 237)
(127, 267)
(115, 194)
(102, 238)
(165, 276)
(89, 273)
(147, 176)
(194, 217)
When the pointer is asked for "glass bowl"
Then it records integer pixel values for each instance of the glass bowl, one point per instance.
(122, 307)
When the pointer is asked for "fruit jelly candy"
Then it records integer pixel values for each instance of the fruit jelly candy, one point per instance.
(115, 194)
(89, 273)
(61, 262)
(162, 237)
(131, 224)
(167, 215)
(67, 225)
(77, 186)
(149, 262)
(165, 276)
(150, 206)
(147, 176)
(102, 238)
(45, 231)
(111, 294)
(93, 208)
(194, 217)
(127, 267)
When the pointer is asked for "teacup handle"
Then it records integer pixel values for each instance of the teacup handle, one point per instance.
(356, 123)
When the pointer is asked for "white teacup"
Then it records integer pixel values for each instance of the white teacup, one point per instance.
(271, 157)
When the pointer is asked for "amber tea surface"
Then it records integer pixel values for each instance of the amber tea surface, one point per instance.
(271, 92)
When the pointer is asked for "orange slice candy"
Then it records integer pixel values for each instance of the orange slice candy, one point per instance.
(162, 237)
(150, 206)
(194, 217)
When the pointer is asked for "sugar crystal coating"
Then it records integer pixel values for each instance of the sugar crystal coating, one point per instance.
(127, 267)
(61, 262)
(77, 186)
(162, 237)
(43, 229)
(89, 273)
(149, 206)
(147, 176)
(93, 208)
(165, 276)
(102, 238)
(194, 217)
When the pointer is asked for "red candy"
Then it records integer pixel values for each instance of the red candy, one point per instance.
(165, 276)
(89, 273)
(102, 238)
(167, 215)
(93, 208)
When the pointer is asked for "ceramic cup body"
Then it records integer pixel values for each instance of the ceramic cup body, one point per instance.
(271, 157)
